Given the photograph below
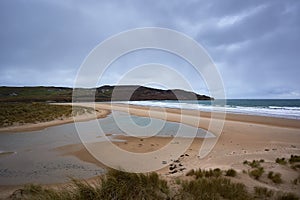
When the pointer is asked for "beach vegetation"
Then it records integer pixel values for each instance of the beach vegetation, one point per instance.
(287, 196)
(178, 181)
(257, 173)
(281, 161)
(254, 163)
(231, 173)
(128, 186)
(199, 173)
(263, 193)
(212, 188)
(190, 173)
(294, 159)
(22, 113)
(275, 177)
(114, 185)
(295, 166)
(123, 185)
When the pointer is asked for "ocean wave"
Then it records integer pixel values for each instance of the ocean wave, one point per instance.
(272, 111)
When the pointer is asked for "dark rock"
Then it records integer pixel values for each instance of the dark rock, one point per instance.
(172, 167)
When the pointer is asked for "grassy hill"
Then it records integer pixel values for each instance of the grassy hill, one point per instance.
(104, 93)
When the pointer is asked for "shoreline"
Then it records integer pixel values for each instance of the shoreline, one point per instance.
(257, 119)
(104, 109)
(243, 138)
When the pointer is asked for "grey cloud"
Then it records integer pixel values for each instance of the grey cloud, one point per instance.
(254, 43)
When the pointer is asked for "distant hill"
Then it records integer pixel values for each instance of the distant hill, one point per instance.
(103, 93)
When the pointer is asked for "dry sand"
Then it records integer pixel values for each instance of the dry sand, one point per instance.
(243, 137)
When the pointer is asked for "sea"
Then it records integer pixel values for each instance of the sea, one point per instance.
(281, 108)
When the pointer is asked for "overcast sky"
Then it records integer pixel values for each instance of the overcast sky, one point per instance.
(254, 44)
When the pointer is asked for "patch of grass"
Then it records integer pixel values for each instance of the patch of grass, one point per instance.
(256, 173)
(294, 159)
(287, 196)
(263, 193)
(295, 166)
(281, 161)
(37, 94)
(213, 188)
(254, 163)
(37, 192)
(22, 113)
(123, 185)
(276, 178)
(205, 173)
(115, 185)
(128, 186)
(190, 173)
(231, 173)
(178, 181)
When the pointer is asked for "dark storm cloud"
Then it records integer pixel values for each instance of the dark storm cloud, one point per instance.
(254, 44)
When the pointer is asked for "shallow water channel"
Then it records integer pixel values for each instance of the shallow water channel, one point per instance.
(30, 157)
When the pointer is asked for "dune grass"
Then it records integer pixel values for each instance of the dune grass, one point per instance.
(199, 173)
(231, 173)
(294, 159)
(257, 170)
(254, 163)
(275, 177)
(22, 113)
(263, 193)
(212, 188)
(129, 186)
(281, 161)
(115, 185)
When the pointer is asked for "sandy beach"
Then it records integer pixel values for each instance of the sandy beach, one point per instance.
(243, 137)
